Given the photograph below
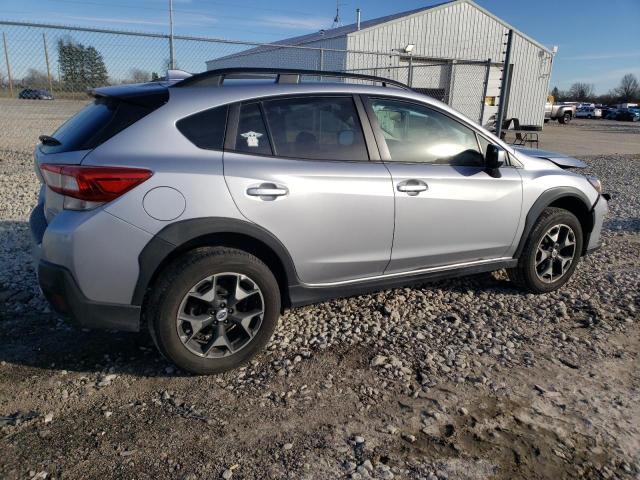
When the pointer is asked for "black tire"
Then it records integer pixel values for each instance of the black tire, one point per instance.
(564, 119)
(524, 275)
(185, 272)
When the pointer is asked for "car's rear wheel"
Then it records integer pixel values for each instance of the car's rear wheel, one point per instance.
(551, 252)
(213, 309)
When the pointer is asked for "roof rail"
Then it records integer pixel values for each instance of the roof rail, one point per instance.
(283, 75)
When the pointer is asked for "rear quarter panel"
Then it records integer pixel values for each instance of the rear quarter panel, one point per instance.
(155, 143)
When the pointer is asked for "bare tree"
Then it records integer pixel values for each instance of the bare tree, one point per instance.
(137, 75)
(581, 92)
(629, 88)
(35, 79)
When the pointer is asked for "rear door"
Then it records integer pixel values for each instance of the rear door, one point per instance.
(449, 208)
(300, 167)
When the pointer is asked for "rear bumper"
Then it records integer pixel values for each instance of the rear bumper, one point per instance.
(62, 292)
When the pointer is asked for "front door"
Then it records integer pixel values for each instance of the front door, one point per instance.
(308, 180)
(449, 209)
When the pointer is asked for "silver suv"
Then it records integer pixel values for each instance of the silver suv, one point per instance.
(202, 208)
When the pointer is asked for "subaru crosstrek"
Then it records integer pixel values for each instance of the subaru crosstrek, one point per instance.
(201, 208)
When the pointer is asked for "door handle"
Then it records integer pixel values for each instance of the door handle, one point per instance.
(412, 187)
(267, 191)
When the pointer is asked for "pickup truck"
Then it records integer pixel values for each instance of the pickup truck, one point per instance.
(562, 113)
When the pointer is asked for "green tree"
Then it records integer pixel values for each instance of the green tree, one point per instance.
(81, 67)
(95, 69)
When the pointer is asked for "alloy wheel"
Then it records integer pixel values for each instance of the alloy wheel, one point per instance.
(220, 315)
(555, 253)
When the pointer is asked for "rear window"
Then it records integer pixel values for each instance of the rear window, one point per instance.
(95, 124)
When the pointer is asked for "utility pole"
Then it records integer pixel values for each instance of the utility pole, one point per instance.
(172, 61)
(46, 58)
(6, 57)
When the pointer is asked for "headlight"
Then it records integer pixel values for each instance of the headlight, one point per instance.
(595, 183)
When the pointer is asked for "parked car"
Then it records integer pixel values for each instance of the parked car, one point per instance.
(588, 112)
(201, 209)
(612, 114)
(628, 115)
(562, 113)
(35, 94)
(606, 111)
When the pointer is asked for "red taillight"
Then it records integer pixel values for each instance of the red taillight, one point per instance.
(92, 184)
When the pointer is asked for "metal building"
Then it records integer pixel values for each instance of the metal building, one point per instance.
(457, 56)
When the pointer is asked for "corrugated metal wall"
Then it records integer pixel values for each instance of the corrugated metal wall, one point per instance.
(530, 81)
(459, 31)
(462, 31)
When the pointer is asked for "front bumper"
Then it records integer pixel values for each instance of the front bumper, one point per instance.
(599, 211)
(62, 292)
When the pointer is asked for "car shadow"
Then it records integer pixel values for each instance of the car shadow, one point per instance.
(31, 335)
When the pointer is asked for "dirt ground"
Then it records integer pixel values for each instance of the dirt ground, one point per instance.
(591, 137)
(464, 379)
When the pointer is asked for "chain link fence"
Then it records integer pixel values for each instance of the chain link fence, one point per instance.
(40, 60)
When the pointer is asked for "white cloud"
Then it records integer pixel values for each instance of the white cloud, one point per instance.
(127, 21)
(602, 81)
(180, 19)
(296, 23)
(604, 56)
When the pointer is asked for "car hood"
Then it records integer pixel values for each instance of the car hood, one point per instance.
(560, 159)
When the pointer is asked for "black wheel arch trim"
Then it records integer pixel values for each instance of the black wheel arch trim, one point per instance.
(175, 236)
(544, 200)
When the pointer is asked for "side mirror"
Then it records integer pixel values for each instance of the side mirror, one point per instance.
(495, 157)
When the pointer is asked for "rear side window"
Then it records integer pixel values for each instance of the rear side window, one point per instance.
(323, 128)
(95, 124)
(252, 134)
(205, 129)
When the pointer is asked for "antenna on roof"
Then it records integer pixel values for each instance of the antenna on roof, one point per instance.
(337, 22)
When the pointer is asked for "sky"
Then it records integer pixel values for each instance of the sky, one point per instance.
(598, 40)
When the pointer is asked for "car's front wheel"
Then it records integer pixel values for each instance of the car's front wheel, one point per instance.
(551, 252)
(213, 309)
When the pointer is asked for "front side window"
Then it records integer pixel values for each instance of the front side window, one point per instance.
(323, 128)
(252, 134)
(415, 133)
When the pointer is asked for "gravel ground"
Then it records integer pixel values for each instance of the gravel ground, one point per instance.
(458, 379)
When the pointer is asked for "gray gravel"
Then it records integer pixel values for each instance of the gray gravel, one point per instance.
(404, 383)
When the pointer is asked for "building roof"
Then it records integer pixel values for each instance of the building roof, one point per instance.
(345, 30)
(330, 33)
(353, 27)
